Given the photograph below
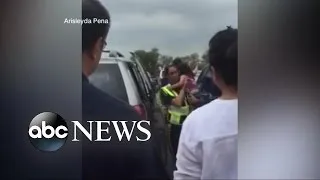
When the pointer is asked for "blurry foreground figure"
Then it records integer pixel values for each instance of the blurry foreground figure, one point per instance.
(208, 142)
(177, 105)
(113, 159)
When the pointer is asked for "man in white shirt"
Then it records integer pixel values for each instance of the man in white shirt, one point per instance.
(208, 141)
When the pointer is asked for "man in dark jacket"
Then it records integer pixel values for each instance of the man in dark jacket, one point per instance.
(114, 159)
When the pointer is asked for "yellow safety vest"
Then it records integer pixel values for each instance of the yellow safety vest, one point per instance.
(176, 113)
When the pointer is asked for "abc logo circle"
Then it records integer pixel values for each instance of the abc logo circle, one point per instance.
(48, 131)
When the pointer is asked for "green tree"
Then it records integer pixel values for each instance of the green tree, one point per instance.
(148, 59)
(193, 64)
(165, 60)
(202, 64)
(194, 56)
(205, 56)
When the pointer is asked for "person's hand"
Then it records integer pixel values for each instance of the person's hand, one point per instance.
(184, 80)
(194, 91)
(187, 90)
(192, 100)
(184, 85)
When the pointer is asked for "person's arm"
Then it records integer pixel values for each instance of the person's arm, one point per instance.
(188, 155)
(179, 100)
(165, 98)
(192, 99)
(180, 83)
(168, 100)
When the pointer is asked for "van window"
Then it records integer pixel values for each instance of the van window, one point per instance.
(138, 80)
(108, 78)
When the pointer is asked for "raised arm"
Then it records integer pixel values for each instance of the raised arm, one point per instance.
(179, 100)
(182, 81)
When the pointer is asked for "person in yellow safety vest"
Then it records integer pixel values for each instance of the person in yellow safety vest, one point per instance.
(177, 105)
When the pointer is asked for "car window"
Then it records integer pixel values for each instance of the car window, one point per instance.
(108, 78)
(144, 75)
(147, 83)
(138, 80)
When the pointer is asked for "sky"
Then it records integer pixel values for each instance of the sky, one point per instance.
(175, 27)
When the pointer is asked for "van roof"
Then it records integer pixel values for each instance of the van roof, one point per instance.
(113, 60)
(109, 56)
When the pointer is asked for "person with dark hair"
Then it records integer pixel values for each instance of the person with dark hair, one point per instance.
(113, 159)
(208, 141)
(186, 70)
(163, 79)
(183, 67)
(186, 79)
(176, 105)
(177, 61)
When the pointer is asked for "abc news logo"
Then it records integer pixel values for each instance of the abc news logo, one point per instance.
(49, 131)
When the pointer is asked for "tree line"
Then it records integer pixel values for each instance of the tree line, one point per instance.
(151, 60)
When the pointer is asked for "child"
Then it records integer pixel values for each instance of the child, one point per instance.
(186, 76)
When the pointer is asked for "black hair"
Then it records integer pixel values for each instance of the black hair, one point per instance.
(223, 55)
(185, 69)
(166, 69)
(177, 61)
(91, 32)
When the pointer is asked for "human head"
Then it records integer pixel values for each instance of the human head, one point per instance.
(172, 74)
(185, 69)
(223, 59)
(93, 34)
(177, 61)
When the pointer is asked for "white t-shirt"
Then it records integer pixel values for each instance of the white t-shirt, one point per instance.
(208, 142)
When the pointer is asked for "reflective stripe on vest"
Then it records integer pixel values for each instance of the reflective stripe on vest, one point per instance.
(168, 91)
(176, 112)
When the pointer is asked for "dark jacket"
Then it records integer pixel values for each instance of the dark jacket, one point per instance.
(114, 160)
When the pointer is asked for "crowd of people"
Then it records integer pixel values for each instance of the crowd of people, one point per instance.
(191, 129)
(203, 139)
